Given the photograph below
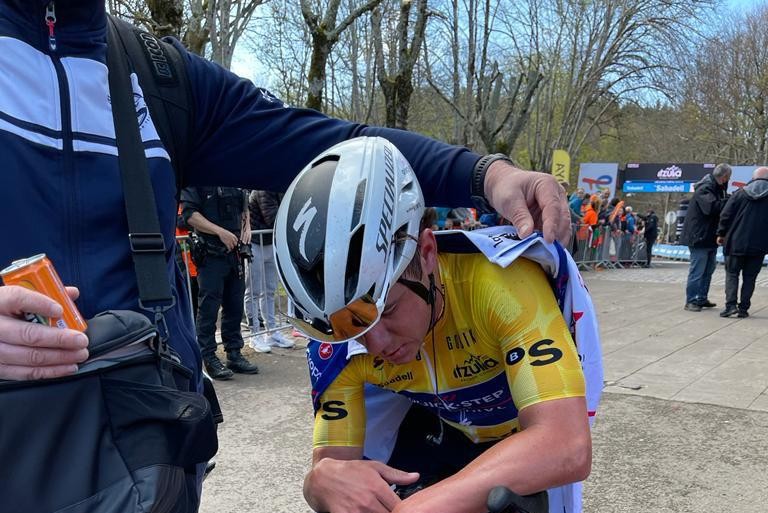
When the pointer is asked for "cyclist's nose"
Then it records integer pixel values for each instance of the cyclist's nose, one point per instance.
(376, 340)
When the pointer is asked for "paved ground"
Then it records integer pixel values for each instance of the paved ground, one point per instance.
(683, 425)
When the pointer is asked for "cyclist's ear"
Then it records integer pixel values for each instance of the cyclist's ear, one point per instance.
(427, 251)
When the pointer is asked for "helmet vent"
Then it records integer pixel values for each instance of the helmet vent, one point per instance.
(357, 210)
(314, 282)
(287, 287)
(354, 261)
(327, 158)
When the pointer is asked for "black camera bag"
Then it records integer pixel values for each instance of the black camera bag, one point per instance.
(123, 435)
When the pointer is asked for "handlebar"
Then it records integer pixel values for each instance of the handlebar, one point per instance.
(503, 500)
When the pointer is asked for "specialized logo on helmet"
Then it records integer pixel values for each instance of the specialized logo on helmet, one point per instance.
(302, 222)
(388, 210)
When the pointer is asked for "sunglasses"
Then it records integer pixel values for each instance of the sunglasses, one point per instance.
(352, 321)
(355, 319)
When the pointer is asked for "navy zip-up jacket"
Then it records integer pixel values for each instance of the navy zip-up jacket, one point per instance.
(60, 188)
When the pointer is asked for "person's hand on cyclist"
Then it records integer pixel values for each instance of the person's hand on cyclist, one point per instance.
(529, 200)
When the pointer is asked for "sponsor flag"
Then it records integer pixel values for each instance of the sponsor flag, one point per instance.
(595, 177)
(561, 165)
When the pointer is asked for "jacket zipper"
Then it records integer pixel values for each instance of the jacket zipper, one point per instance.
(70, 171)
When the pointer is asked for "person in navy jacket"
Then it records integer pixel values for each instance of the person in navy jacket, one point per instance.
(60, 185)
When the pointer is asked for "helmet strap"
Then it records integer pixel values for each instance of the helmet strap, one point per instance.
(418, 288)
(429, 295)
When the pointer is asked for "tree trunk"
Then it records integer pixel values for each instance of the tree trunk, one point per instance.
(167, 17)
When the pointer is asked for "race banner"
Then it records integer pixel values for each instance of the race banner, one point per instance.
(595, 177)
(561, 165)
(664, 177)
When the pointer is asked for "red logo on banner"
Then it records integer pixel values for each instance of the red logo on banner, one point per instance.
(604, 180)
(325, 351)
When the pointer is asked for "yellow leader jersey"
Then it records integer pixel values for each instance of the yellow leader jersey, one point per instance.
(501, 345)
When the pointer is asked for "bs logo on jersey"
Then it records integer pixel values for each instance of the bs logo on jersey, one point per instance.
(334, 410)
(540, 350)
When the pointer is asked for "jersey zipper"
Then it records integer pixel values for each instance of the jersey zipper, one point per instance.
(70, 171)
(433, 377)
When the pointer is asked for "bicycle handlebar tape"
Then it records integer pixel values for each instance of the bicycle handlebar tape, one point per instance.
(503, 500)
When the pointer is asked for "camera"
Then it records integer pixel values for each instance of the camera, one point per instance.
(244, 251)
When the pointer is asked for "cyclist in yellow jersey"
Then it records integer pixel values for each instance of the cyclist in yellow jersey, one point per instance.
(483, 352)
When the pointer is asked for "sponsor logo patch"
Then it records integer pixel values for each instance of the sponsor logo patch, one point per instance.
(325, 350)
(474, 365)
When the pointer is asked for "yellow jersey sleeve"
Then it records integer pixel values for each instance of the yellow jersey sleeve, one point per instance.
(340, 419)
(520, 311)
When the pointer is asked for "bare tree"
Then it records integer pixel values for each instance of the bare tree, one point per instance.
(603, 52)
(325, 33)
(492, 82)
(281, 40)
(725, 87)
(197, 23)
(396, 78)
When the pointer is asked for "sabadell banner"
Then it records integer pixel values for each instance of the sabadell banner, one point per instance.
(594, 177)
(663, 177)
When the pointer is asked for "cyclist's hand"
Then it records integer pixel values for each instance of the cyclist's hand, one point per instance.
(228, 238)
(33, 351)
(357, 486)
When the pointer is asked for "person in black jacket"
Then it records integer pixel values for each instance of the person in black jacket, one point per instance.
(701, 222)
(744, 238)
(219, 215)
(650, 234)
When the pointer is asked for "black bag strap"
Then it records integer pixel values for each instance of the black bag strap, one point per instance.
(164, 82)
(146, 239)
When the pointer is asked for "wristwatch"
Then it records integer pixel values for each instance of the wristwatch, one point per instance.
(477, 186)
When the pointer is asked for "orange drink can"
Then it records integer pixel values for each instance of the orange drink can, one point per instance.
(37, 273)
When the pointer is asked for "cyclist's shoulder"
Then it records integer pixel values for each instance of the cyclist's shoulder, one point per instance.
(477, 273)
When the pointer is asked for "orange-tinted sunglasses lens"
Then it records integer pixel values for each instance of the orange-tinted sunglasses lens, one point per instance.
(354, 319)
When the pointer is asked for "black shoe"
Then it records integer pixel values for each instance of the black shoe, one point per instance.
(742, 314)
(237, 363)
(707, 304)
(728, 311)
(216, 369)
(692, 307)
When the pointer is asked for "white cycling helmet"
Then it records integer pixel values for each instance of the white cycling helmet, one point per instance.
(345, 231)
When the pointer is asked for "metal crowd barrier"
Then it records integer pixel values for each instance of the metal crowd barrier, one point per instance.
(592, 247)
(683, 253)
(283, 305)
(596, 247)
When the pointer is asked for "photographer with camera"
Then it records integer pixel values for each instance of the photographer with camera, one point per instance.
(219, 217)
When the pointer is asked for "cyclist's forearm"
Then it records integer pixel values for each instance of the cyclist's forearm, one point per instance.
(553, 449)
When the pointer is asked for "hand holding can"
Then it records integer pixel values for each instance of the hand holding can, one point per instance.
(46, 347)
